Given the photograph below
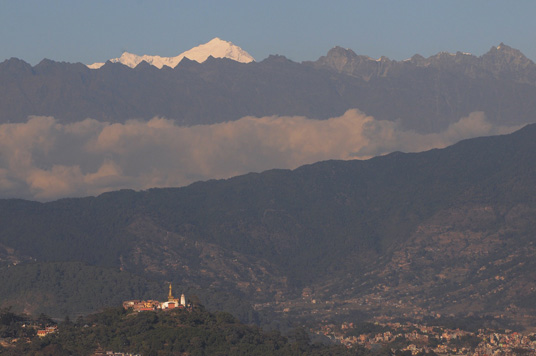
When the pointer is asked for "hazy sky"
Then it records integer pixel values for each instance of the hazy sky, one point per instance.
(92, 31)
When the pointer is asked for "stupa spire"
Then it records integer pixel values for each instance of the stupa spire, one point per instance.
(170, 296)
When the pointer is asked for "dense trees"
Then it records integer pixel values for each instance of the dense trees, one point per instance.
(64, 289)
(177, 332)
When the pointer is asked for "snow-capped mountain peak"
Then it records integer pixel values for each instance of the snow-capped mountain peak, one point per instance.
(216, 48)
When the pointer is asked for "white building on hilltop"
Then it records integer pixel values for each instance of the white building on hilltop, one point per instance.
(152, 305)
(173, 302)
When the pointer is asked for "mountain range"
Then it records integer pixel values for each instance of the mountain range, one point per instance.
(443, 232)
(216, 48)
(420, 94)
(446, 232)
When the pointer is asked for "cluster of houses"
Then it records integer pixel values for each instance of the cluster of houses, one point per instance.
(101, 352)
(417, 339)
(48, 330)
(152, 305)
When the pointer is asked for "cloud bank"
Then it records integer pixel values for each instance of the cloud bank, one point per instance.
(43, 159)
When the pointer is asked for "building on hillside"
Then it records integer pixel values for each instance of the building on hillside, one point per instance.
(142, 305)
(101, 352)
(48, 330)
(152, 305)
(173, 302)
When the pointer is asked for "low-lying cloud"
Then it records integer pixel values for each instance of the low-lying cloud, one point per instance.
(43, 159)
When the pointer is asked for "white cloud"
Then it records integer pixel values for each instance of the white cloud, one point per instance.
(44, 160)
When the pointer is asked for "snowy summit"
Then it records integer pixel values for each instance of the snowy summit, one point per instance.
(216, 48)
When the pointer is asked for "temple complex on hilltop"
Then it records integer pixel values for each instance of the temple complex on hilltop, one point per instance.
(152, 305)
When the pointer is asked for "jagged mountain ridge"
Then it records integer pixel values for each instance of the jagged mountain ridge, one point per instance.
(215, 48)
(501, 61)
(407, 232)
(424, 98)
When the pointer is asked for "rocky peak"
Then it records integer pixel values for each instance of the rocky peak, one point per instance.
(417, 59)
(276, 58)
(338, 51)
(506, 55)
(509, 63)
(15, 65)
(337, 58)
(347, 61)
(47, 65)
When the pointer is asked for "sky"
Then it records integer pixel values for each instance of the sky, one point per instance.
(97, 30)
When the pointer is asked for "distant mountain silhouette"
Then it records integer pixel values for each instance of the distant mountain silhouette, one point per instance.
(423, 94)
(501, 62)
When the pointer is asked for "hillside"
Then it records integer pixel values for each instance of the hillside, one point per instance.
(410, 235)
(69, 288)
(178, 332)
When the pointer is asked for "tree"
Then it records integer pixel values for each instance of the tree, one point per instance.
(44, 320)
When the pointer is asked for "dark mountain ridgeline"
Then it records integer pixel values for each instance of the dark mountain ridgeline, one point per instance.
(423, 94)
(215, 91)
(404, 221)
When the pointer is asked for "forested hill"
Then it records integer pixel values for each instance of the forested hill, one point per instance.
(178, 332)
(280, 231)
